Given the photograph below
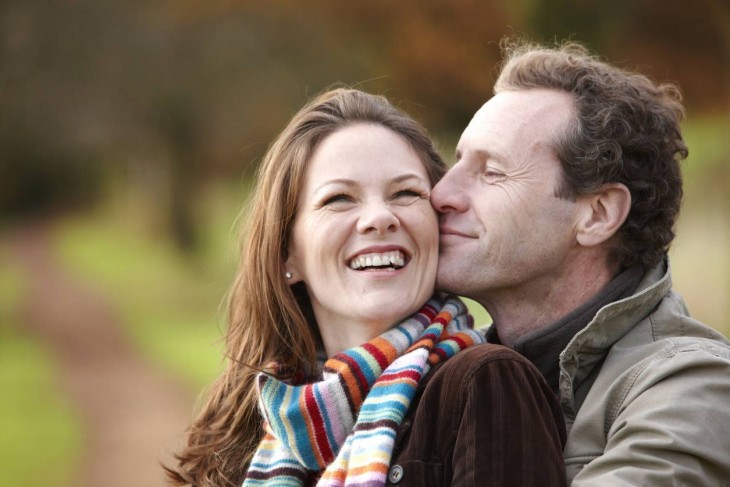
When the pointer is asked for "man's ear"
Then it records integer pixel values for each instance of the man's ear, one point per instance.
(603, 214)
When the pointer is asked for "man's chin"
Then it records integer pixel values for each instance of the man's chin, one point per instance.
(449, 283)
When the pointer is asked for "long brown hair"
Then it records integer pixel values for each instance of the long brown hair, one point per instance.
(268, 320)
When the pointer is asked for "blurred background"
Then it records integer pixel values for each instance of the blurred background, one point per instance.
(129, 135)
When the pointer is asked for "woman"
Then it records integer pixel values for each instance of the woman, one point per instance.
(339, 258)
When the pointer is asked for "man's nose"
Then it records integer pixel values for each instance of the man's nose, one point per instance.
(449, 194)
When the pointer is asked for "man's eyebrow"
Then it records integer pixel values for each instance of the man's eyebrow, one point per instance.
(481, 154)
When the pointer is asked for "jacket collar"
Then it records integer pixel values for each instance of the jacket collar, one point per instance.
(544, 345)
(611, 323)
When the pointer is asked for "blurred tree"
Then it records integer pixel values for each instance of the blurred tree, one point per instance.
(667, 40)
(172, 93)
(438, 57)
(595, 23)
(40, 176)
(43, 162)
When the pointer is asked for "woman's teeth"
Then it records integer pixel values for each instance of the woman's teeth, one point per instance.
(394, 259)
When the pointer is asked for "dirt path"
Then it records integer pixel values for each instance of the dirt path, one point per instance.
(133, 414)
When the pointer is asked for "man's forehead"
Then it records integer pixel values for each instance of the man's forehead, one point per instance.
(509, 113)
(533, 101)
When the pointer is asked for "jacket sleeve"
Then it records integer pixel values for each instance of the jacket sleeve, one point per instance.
(670, 424)
(510, 431)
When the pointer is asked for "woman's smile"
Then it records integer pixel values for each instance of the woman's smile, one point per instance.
(374, 259)
(365, 230)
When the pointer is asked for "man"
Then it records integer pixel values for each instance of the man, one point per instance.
(556, 218)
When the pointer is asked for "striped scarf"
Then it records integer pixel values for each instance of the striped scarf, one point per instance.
(344, 426)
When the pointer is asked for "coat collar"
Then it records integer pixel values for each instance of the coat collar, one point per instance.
(612, 322)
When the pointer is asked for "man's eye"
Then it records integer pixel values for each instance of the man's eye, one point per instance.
(492, 175)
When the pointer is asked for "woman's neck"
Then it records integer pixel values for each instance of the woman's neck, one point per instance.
(338, 336)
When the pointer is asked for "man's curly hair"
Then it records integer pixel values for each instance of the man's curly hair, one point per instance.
(626, 130)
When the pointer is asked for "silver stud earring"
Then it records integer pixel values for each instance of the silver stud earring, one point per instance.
(287, 275)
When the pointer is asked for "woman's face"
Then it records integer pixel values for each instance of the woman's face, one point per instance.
(365, 238)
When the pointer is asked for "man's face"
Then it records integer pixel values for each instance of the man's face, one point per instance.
(504, 233)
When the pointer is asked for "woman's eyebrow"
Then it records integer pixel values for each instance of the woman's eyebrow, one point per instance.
(330, 182)
(406, 177)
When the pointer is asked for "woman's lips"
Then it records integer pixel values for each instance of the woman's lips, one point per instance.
(392, 258)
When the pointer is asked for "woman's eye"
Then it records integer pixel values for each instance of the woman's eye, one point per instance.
(337, 198)
(408, 193)
(409, 196)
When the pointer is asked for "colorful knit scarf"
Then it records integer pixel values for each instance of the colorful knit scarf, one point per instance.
(344, 426)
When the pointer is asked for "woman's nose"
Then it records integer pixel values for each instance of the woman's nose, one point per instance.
(378, 218)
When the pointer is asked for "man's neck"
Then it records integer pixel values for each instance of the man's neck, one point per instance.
(524, 309)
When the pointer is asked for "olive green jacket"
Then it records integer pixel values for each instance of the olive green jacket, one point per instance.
(658, 412)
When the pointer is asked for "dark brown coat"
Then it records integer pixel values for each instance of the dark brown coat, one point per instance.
(484, 417)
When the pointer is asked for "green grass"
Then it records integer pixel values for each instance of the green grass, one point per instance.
(40, 433)
(170, 303)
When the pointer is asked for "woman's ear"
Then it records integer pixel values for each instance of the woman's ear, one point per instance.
(291, 269)
(604, 213)
(292, 277)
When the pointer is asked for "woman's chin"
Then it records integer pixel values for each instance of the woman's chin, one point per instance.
(391, 310)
